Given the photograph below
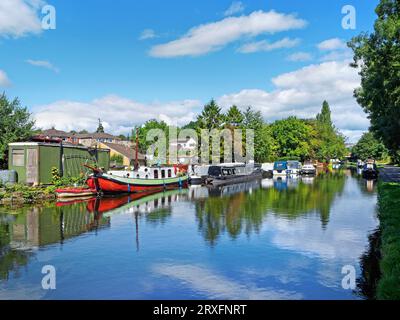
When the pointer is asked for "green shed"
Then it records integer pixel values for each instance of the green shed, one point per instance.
(33, 161)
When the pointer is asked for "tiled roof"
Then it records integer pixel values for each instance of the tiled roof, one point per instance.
(130, 153)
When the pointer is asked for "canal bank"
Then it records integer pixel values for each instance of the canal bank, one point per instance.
(389, 216)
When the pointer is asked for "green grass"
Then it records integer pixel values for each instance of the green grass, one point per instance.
(389, 215)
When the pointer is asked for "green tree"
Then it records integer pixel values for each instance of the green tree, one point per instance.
(100, 128)
(378, 57)
(234, 117)
(253, 120)
(211, 116)
(144, 130)
(370, 147)
(293, 138)
(332, 143)
(15, 125)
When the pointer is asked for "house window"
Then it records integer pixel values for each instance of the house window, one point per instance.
(169, 173)
(162, 174)
(18, 157)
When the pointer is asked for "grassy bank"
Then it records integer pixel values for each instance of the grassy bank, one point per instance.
(20, 194)
(389, 215)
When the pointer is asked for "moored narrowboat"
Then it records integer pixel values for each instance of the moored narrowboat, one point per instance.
(143, 179)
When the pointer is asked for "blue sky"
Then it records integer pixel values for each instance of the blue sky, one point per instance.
(127, 61)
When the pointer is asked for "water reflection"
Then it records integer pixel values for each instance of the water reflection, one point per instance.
(34, 227)
(292, 236)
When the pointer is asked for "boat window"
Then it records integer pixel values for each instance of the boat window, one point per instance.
(138, 176)
(155, 174)
(169, 173)
(147, 176)
(162, 174)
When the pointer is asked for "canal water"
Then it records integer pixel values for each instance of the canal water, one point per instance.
(269, 239)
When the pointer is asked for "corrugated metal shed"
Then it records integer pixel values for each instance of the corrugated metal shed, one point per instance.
(33, 161)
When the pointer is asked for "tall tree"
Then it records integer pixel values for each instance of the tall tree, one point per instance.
(100, 128)
(15, 125)
(378, 58)
(211, 116)
(234, 117)
(332, 143)
(369, 147)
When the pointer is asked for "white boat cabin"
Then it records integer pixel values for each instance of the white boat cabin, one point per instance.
(147, 173)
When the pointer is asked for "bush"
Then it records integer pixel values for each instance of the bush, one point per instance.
(389, 215)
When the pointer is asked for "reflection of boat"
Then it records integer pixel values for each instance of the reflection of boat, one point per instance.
(142, 180)
(267, 183)
(231, 174)
(308, 179)
(280, 183)
(143, 202)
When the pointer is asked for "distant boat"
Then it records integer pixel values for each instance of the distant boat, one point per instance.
(143, 179)
(293, 167)
(308, 169)
(280, 168)
(370, 171)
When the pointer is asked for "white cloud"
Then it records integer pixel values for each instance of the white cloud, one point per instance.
(118, 114)
(214, 36)
(147, 34)
(264, 45)
(337, 55)
(235, 7)
(332, 44)
(302, 92)
(336, 49)
(43, 64)
(299, 57)
(4, 81)
(20, 17)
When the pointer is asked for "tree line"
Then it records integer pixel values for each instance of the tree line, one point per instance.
(290, 138)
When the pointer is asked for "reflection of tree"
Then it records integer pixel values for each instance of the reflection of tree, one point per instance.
(158, 216)
(245, 211)
(370, 270)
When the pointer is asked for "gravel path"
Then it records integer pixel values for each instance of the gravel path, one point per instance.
(390, 174)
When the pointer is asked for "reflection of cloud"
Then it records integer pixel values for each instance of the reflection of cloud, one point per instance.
(343, 240)
(217, 286)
